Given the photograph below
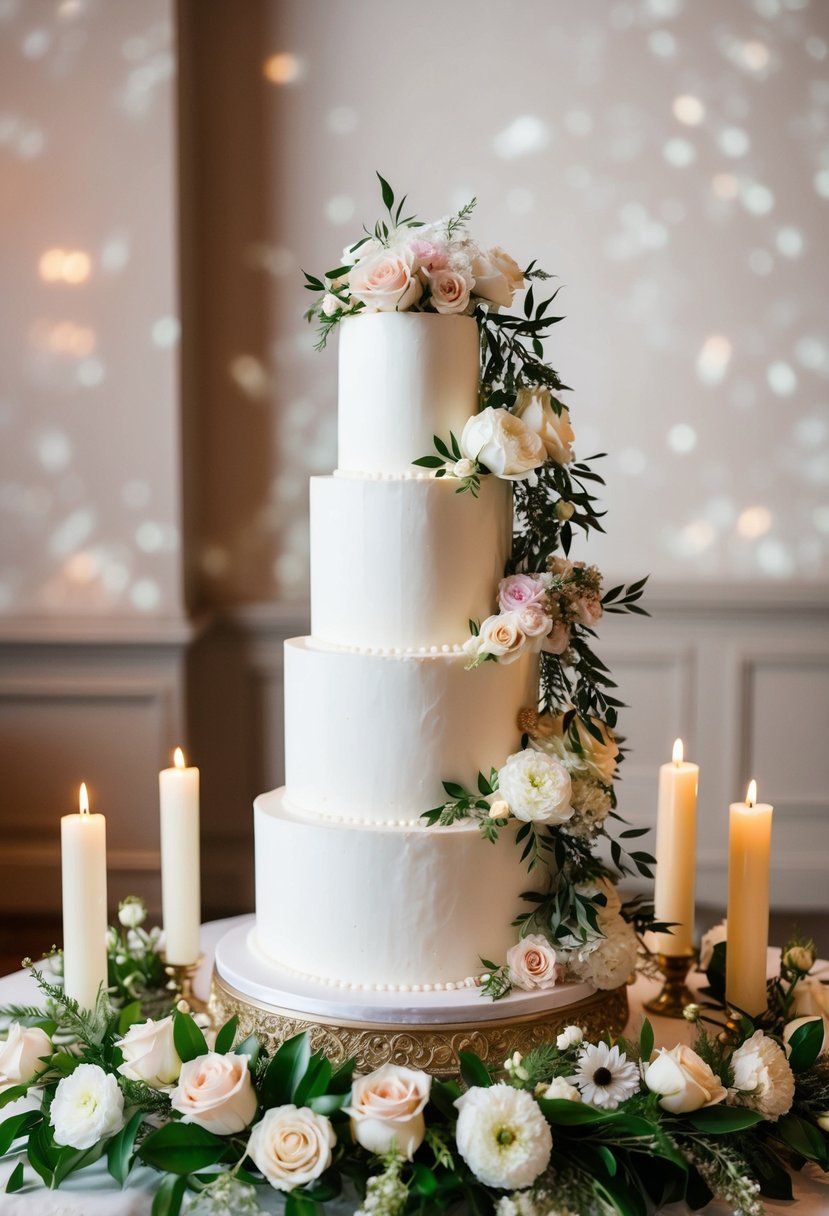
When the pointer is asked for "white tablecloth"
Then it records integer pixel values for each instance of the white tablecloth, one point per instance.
(93, 1193)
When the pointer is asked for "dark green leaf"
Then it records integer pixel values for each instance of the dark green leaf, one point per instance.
(805, 1045)
(188, 1038)
(326, 1104)
(805, 1138)
(168, 1198)
(645, 1041)
(285, 1071)
(128, 1016)
(483, 784)
(18, 1125)
(15, 1181)
(297, 1204)
(473, 1070)
(119, 1152)
(11, 1095)
(718, 1120)
(225, 1037)
(423, 1181)
(388, 202)
(181, 1148)
(249, 1047)
(315, 1082)
(430, 462)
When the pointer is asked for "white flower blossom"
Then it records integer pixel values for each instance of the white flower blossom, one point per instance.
(87, 1107)
(570, 1036)
(605, 1075)
(503, 1136)
(762, 1077)
(536, 787)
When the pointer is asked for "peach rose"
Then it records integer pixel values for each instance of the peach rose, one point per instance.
(384, 282)
(216, 1092)
(504, 444)
(450, 290)
(490, 281)
(683, 1080)
(558, 639)
(508, 267)
(387, 1109)
(291, 1146)
(534, 622)
(534, 407)
(502, 636)
(532, 963)
(20, 1055)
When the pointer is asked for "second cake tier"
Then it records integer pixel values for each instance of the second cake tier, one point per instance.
(372, 738)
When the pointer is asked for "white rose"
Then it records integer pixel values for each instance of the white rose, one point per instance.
(450, 290)
(811, 997)
(762, 1077)
(504, 444)
(463, 468)
(560, 1090)
(683, 1081)
(532, 963)
(570, 1036)
(508, 266)
(536, 787)
(387, 1107)
(796, 1023)
(291, 1146)
(87, 1107)
(384, 282)
(499, 809)
(503, 1136)
(502, 636)
(215, 1092)
(360, 250)
(20, 1055)
(490, 281)
(715, 935)
(330, 304)
(150, 1054)
(534, 407)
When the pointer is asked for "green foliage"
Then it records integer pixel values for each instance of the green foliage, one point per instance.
(121, 1147)
(188, 1038)
(183, 1148)
(473, 1070)
(285, 1071)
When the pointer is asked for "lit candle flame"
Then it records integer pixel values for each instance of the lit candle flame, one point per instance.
(178, 758)
(751, 794)
(83, 800)
(678, 751)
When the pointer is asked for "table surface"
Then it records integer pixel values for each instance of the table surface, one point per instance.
(93, 1193)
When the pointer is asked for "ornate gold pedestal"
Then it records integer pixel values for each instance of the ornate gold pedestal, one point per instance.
(432, 1047)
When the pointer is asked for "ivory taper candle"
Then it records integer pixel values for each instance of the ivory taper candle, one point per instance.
(178, 789)
(676, 842)
(84, 883)
(749, 854)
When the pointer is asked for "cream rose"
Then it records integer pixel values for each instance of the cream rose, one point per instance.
(559, 1090)
(291, 1146)
(20, 1055)
(150, 1054)
(536, 787)
(87, 1107)
(532, 963)
(387, 1109)
(508, 267)
(384, 282)
(534, 407)
(811, 997)
(490, 281)
(502, 636)
(504, 444)
(216, 1092)
(450, 290)
(683, 1081)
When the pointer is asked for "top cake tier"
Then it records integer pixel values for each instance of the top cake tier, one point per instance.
(403, 378)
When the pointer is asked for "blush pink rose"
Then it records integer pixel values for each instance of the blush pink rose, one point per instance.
(535, 622)
(385, 282)
(429, 255)
(589, 610)
(450, 290)
(558, 639)
(532, 963)
(517, 591)
(216, 1092)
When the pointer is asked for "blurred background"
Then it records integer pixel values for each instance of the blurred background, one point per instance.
(167, 168)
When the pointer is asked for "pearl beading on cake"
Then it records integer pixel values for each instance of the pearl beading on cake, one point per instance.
(391, 652)
(471, 981)
(374, 475)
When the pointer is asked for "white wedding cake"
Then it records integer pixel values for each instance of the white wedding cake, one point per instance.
(352, 887)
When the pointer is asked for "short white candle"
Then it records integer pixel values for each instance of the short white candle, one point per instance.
(749, 855)
(84, 882)
(178, 789)
(676, 842)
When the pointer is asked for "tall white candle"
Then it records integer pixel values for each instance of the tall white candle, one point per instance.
(749, 855)
(84, 882)
(178, 789)
(676, 839)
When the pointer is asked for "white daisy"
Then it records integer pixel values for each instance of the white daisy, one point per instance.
(605, 1075)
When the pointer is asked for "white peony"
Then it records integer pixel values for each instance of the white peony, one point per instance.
(87, 1107)
(503, 1136)
(683, 1080)
(387, 1107)
(21, 1055)
(291, 1146)
(570, 1036)
(532, 963)
(608, 961)
(715, 935)
(536, 787)
(534, 407)
(504, 444)
(215, 1091)
(150, 1054)
(762, 1077)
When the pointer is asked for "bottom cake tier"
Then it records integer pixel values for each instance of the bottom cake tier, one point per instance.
(380, 906)
(419, 1029)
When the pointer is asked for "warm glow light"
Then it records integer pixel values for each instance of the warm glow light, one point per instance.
(178, 758)
(64, 266)
(678, 751)
(283, 68)
(83, 800)
(751, 794)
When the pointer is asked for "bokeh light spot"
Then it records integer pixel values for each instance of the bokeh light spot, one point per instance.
(283, 68)
(688, 110)
(782, 378)
(524, 135)
(339, 209)
(754, 522)
(713, 359)
(679, 152)
(682, 438)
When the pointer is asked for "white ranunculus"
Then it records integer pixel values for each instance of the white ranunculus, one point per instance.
(534, 407)
(560, 1090)
(796, 1023)
(501, 635)
(504, 444)
(384, 282)
(387, 1107)
(20, 1055)
(532, 963)
(683, 1080)
(508, 266)
(762, 1077)
(150, 1054)
(502, 1136)
(291, 1146)
(87, 1107)
(490, 281)
(715, 935)
(536, 787)
(570, 1036)
(215, 1091)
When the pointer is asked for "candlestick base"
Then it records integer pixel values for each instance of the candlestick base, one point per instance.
(180, 985)
(675, 994)
(730, 1034)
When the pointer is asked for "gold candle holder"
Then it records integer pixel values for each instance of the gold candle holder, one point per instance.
(675, 994)
(181, 983)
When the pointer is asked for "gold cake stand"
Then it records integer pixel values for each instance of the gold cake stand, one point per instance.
(431, 1047)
